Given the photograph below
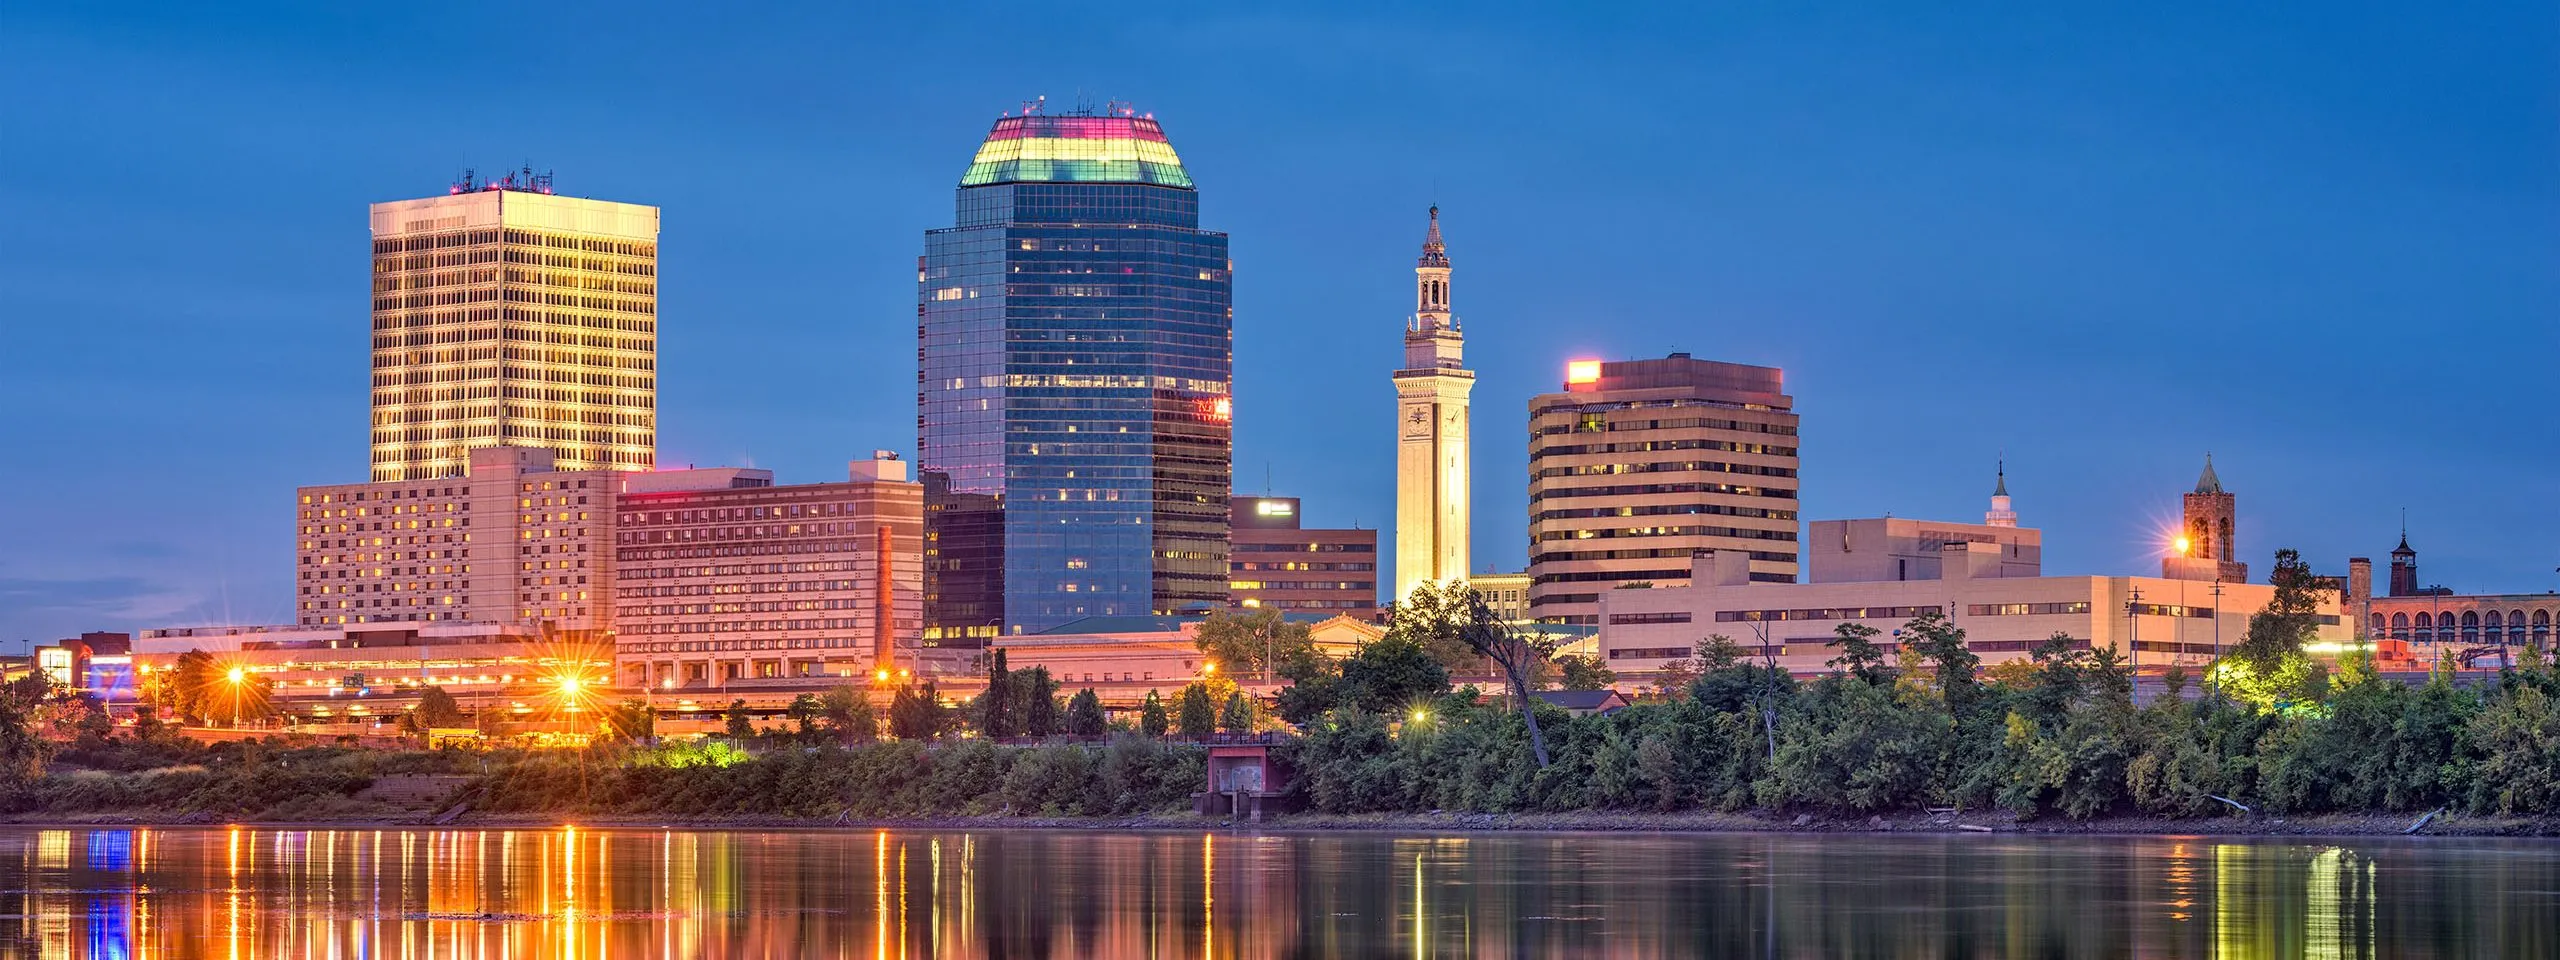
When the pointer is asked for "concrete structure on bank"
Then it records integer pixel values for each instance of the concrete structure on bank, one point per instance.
(1640, 465)
(1434, 469)
(504, 315)
(2153, 622)
(1274, 562)
(723, 584)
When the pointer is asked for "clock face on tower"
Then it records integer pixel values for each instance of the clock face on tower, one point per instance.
(1417, 421)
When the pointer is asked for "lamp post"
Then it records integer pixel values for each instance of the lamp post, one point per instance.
(2133, 621)
(238, 676)
(2217, 634)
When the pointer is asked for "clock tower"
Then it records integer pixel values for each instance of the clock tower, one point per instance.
(1432, 482)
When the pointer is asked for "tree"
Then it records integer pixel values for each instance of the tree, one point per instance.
(995, 706)
(1198, 715)
(435, 709)
(1389, 675)
(1237, 715)
(1152, 718)
(1037, 705)
(1084, 714)
(1435, 617)
(849, 712)
(1516, 652)
(23, 749)
(1253, 642)
(1585, 672)
(916, 712)
(632, 720)
(187, 685)
(1941, 643)
(2290, 619)
(804, 712)
(739, 727)
(1859, 656)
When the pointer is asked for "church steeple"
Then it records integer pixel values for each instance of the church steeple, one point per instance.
(2208, 482)
(1433, 485)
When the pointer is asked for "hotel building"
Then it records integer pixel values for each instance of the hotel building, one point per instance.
(509, 539)
(713, 585)
(1073, 387)
(505, 315)
(1641, 465)
(1277, 563)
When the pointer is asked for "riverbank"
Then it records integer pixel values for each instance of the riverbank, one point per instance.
(1958, 824)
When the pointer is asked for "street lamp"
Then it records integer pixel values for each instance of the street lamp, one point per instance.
(238, 677)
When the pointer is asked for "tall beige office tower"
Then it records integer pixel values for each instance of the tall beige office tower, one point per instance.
(1639, 466)
(504, 315)
(1432, 483)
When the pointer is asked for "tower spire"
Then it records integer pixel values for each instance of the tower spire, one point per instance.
(2208, 482)
(2001, 514)
(1434, 252)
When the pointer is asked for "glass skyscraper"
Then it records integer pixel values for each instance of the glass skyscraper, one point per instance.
(1074, 339)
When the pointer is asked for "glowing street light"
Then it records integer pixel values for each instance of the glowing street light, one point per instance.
(1420, 715)
(2185, 546)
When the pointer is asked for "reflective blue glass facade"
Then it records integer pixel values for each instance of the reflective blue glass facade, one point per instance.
(1073, 418)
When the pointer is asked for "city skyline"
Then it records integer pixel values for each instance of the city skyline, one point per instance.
(1877, 353)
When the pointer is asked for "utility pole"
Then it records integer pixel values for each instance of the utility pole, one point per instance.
(2217, 634)
(2133, 621)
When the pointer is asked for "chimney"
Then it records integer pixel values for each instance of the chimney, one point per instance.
(884, 623)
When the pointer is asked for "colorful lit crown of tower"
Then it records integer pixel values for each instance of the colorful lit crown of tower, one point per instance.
(1076, 149)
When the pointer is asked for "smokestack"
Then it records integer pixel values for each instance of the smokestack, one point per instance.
(884, 649)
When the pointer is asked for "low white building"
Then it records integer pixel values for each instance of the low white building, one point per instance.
(2151, 621)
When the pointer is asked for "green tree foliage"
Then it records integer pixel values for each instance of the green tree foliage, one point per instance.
(1084, 714)
(186, 688)
(1259, 642)
(1152, 718)
(436, 709)
(804, 711)
(738, 727)
(1036, 701)
(916, 712)
(850, 714)
(1436, 617)
(1198, 716)
(1237, 715)
(23, 748)
(1585, 672)
(632, 720)
(994, 707)
(1859, 657)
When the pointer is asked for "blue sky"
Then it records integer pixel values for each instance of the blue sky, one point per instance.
(2321, 241)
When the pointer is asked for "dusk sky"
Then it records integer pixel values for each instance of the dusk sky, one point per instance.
(2321, 241)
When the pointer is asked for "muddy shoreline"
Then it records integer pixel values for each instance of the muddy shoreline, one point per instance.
(1979, 823)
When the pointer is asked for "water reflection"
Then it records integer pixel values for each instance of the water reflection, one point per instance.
(588, 893)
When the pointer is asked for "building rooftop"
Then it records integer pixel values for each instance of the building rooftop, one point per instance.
(1073, 148)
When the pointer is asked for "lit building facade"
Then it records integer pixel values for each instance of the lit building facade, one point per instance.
(1275, 562)
(504, 315)
(2153, 622)
(2444, 621)
(1433, 463)
(1073, 390)
(814, 579)
(511, 539)
(1506, 594)
(1640, 465)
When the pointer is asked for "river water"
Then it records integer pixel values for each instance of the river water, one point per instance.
(608, 893)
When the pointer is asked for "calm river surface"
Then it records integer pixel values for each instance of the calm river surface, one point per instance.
(248, 892)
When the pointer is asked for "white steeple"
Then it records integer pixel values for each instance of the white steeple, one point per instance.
(2000, 515)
